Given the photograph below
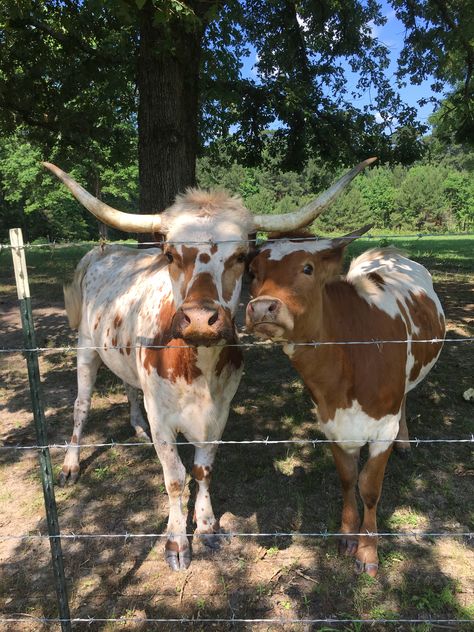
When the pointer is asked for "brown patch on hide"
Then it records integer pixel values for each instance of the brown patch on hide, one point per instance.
(204, 257)
(203, 288)
(117, 321)
(404, 314)
(233, 271)
(198, 472)
(229, 356)
(201, 473)
(430, 324)
(172, 546)
(175, 487)
(171, 362)
(377, 279)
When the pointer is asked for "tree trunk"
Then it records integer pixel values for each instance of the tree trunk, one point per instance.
(168, 86)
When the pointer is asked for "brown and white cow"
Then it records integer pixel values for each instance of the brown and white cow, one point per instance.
(359, 391)
(125, 302)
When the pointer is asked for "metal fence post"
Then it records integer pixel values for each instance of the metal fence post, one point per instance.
(23, 289)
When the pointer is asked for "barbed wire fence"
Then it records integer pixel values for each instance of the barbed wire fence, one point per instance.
(31, 352)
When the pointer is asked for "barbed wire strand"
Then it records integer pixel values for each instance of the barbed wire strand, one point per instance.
(53, 245)
(267, 441)
(69, 348)
(233, 620)
(237, 534)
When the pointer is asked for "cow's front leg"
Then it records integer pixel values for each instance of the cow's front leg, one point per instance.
(177, 550)
(347, 468)
(207, 527)
(370, 488)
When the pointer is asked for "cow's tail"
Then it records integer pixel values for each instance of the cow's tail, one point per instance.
(73, 291)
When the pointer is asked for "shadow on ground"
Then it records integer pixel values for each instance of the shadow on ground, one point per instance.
(258, 489)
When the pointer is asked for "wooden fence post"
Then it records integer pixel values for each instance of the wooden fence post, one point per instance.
(29, 340)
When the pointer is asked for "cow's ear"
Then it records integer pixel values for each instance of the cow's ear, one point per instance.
(342, 242)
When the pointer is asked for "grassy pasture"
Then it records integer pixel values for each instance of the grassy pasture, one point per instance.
(256, 488)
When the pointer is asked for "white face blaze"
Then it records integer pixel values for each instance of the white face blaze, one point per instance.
(208, 248)
(280, 249)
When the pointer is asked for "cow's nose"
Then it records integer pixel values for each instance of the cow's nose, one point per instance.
(200, 315)
(202, 321)
(263, 309)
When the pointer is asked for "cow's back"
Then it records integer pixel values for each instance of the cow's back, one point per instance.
(121, 292)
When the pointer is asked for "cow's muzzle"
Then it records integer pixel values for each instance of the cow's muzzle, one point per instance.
(268, 317)
(203, 324)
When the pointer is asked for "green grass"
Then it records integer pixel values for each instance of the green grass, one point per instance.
(49, 268)
(446, 253)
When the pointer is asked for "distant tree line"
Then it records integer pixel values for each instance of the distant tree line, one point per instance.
(435, 193)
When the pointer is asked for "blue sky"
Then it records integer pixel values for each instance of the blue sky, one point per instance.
(392, 35)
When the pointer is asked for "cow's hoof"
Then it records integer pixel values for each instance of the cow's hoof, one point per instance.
(68, 476)
(177, 560)
(347, 546)
(371, 568)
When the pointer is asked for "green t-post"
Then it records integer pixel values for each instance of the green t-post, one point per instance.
(31, 354)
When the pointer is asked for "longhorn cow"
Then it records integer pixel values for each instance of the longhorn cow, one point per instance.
(359, 391)
(162, 320)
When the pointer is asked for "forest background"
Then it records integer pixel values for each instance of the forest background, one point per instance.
(80, 86)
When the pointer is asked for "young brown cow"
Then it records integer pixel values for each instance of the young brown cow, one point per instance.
(359, 390)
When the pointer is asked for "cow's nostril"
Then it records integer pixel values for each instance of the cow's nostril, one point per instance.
(186, 317)
(213, 318)
(272, 307)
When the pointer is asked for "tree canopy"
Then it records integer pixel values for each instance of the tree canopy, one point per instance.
(96, 86)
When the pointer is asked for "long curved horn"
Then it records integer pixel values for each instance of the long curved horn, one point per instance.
(128, 222)
(307, 214)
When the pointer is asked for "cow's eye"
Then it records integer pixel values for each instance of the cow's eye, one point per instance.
(241, 258)
(308, 269)
(169, 256)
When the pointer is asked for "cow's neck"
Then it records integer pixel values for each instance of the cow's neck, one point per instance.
(208, 357)
(322, 368)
